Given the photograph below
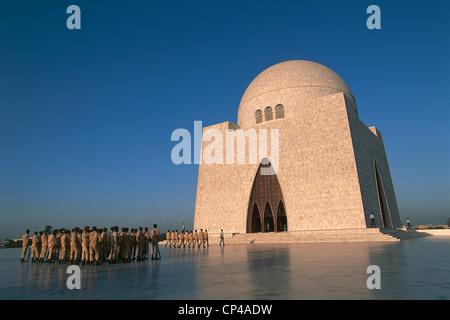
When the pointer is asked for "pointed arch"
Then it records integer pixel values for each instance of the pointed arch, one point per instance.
(269, 225)
(255, 220)
(281, 217)
(266, 195)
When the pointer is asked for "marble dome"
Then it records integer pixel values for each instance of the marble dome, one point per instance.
(290, 84)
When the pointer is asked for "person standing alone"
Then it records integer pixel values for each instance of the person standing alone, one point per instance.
(372, 220)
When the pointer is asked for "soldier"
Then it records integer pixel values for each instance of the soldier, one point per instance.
(133, 243)
(113, 245)
(168, 239)
(221, 237)
(34, 247)
(94, 238)
(125, 245)
(67, 255)
(85, 246)
(205, 239)
(121, 244)
(73, 246)
(200, 238)
(154, 236)
(129, 245)
(140, 243)
(25, 238)
(195, 237)
(181, 239)
(175, 239)
(106, 243)
(39, 243)
(57, 247)
(172, 238)
(190, 239)
(79, 241)
(62, 255)
(101, 244)
(51, 246)
(44, 245)
(146, 243)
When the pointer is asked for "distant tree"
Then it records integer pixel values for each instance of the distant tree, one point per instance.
(48, 228)
(448, 222)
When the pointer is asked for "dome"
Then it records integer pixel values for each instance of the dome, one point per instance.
(293, 83)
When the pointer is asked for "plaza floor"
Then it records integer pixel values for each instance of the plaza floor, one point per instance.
(410, 269)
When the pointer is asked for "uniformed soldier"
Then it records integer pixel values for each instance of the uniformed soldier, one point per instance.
(51, 246)
(94, 238)
(140, 244)
(79, 241)
(125, 245)
(57, 245)
(39, 243)
(106, 243)
(154, 236)
(128, 245)
(182, 239)
(62, 255)
(195, 237)
(121, 245)
(133, 243)
(25, 238)
(44, 246)
(73, 246)
(146, 243)
(35, 247)
(205, 239)
(85, 246)
(190, 238)
(113, 245)
(176, 239)
(200, 238)
(172, 238)
(67, 255)
(100, 244)
(168, 239)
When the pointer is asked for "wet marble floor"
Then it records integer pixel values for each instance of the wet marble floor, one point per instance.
(410, 269)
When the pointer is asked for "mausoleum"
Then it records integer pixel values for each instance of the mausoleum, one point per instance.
(325, 169)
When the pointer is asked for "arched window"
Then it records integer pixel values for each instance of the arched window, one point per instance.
(258, 116)
(268, 113)
(279, 111)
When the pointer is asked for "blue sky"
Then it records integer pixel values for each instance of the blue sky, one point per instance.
(86, 115)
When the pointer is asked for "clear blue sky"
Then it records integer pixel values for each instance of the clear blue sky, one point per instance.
(86, 115)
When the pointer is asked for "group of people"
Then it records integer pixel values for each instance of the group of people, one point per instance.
(188, 238)
(91, 246)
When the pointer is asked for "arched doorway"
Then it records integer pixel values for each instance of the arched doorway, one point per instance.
(268, 218)
(281, 218)
(264, 202)
(256, 219)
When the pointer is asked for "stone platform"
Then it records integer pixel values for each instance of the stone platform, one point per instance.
(338, 235)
